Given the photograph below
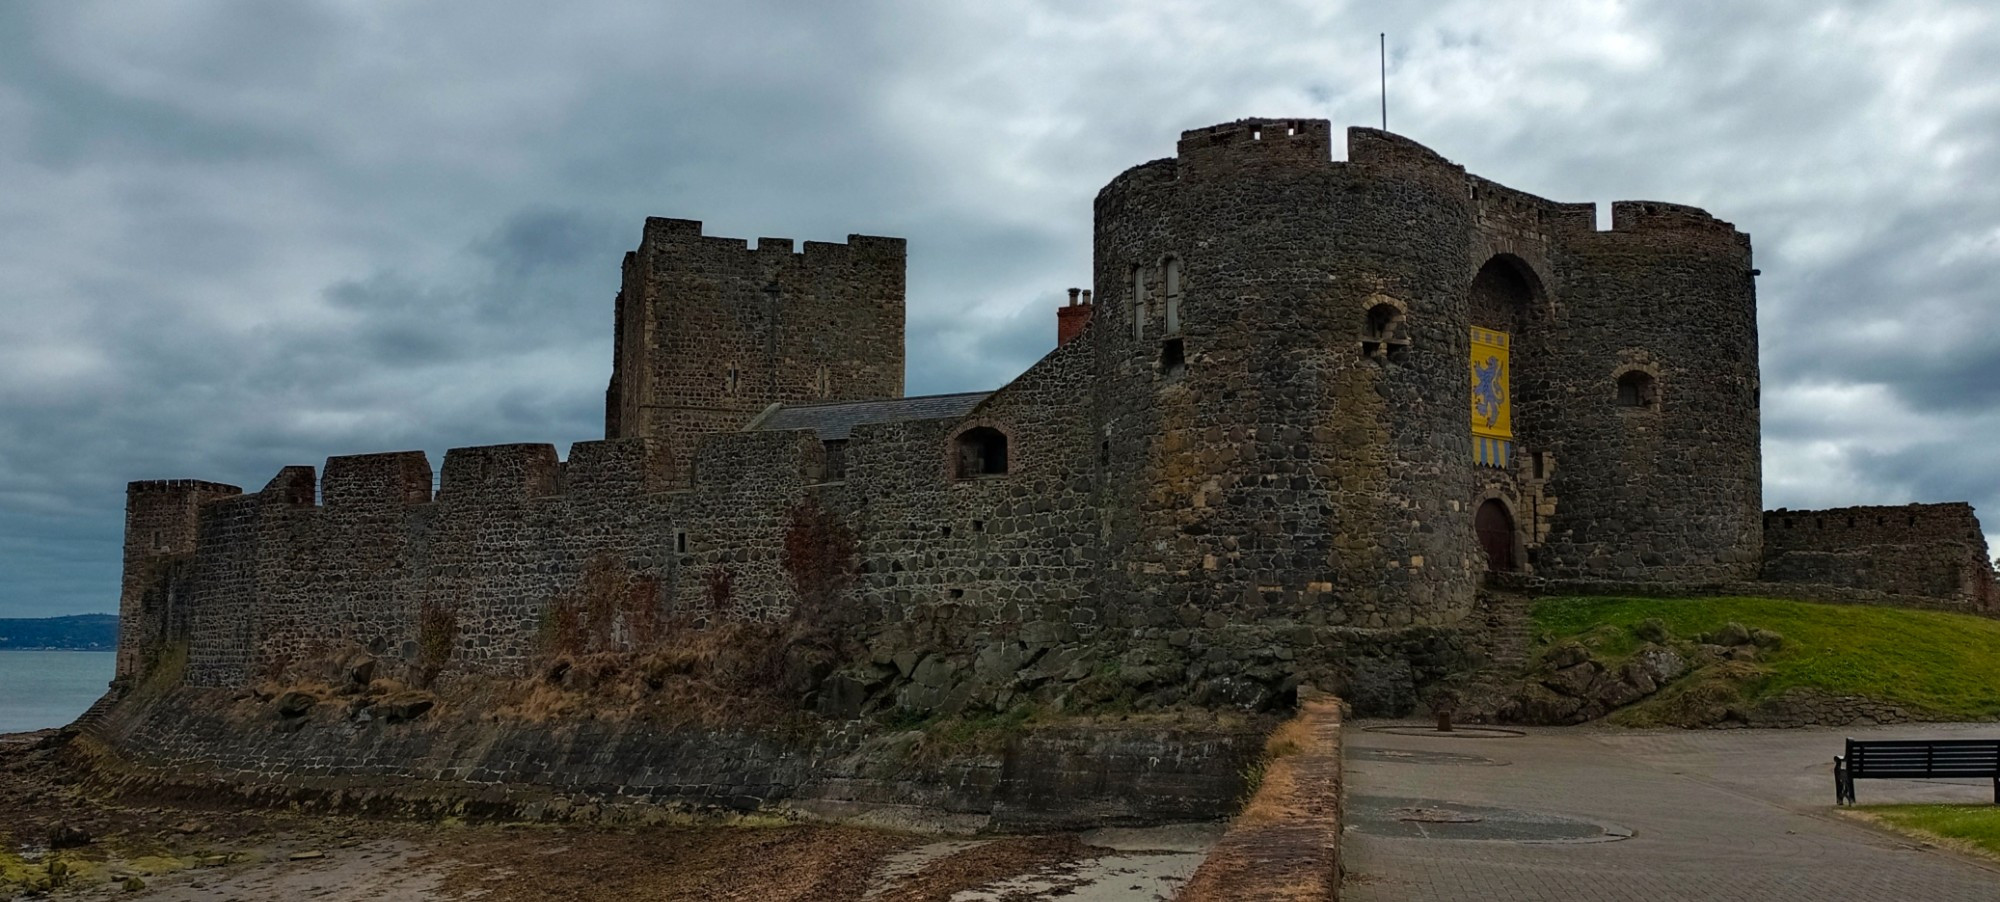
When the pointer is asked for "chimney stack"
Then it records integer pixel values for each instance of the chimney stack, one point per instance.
(1070, 320)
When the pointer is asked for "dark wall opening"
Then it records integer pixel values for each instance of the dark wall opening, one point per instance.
(1501, 295)
(1637, 389)
(982, 451)
(1495, 526)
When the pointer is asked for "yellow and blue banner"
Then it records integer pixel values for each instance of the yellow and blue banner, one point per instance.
(1492, 402)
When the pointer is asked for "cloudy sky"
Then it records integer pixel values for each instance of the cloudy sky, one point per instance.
(237, 234)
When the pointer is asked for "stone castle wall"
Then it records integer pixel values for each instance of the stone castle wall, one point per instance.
(1231, 482)
(1920, 551)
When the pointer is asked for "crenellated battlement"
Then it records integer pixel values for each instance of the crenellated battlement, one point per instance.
(1935, 551)
(370, 481)
(1953, 521)
(1661, 218)
(179, 486)
(295, 485)
(499, 473)
(1257, 141)
(1521, 212)
(687, 234)
(1375, 147)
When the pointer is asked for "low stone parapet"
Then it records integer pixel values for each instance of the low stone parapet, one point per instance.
(1285, 845)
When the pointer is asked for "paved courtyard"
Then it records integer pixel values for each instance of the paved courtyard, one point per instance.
(1588, 813)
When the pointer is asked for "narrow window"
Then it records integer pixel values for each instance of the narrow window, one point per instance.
(1382, 334)
(836, 459)
(1637, 389)
(1173, 357)
(1138, 303)
(1173, 279)
(823, 383)
(729, 382)
(982, 451)
(680, 541)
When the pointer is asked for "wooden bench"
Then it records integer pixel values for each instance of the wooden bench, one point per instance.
(1915, 759)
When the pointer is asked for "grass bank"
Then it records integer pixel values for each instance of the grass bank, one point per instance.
(1944, 665)
(1971, 828)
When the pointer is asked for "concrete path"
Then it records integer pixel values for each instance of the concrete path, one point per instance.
(1594, 813)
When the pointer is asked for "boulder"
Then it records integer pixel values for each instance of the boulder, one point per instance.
(934, 672)
(842, 697)
(999, 662)
(1232, 692)
(68, 836)
(359, 671)
(1731, 634)
(1626, 686)
(1539, 705)
(1575, 681)
(1652, 629)
(1568, 654)
(1662, 665)
(1767, 639)
(296, 703)
(404, 706)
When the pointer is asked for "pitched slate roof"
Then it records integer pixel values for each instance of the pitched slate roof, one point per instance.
(835, 420)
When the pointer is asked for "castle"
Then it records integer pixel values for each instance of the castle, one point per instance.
(1307, 410)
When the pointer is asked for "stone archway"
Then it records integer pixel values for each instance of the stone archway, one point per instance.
(1495, 526)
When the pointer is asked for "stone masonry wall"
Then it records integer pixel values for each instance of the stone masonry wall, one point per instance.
(1278, 472)
(207, 742)
(160, 518)
(1670, 489)
(1934, 551)
(711, 331)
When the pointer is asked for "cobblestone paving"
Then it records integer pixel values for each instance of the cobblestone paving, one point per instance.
(1715, 815)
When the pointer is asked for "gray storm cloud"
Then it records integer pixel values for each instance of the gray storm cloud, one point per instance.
(238, 235)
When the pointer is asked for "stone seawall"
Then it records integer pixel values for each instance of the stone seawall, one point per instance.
(212, 742)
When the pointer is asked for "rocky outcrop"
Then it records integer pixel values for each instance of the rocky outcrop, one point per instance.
(1573, 683)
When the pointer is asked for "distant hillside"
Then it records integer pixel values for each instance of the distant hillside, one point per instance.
(90, 632)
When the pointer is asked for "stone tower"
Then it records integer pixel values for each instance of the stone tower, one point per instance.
(1263, 459)
(1294, 422)
(710, 332)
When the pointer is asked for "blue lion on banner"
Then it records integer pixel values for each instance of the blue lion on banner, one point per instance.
(1489, 391)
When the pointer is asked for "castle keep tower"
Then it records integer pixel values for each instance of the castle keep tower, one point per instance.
(1345, 390)
(1282, 344)
(710, 332)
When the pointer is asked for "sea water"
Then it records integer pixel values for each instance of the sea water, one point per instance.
(42, 689)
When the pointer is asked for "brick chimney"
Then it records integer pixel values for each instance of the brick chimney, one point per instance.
(1070, 320)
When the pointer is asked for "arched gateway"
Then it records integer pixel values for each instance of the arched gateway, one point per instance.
(1496, 535)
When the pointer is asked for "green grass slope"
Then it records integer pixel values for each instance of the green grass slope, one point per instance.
(1943, 665)
(1973, 828)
